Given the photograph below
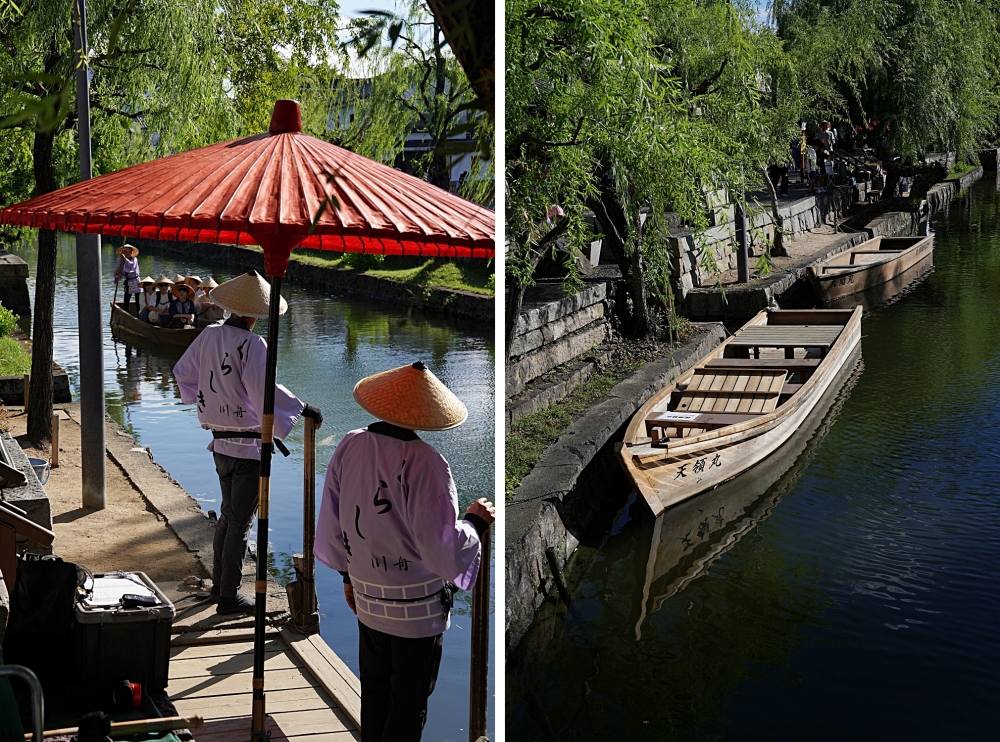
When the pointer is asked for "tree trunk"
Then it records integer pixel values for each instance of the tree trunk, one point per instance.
(778, 248)
(642, 321)
(40, 402)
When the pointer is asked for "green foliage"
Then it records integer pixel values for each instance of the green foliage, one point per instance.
(8, 322)
(14, 359)
(924, 75)
(362, 261)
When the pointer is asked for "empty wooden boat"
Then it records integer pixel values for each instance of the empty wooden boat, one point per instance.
(738, 405)
(869, 264)
(688, 538)
(129, 328)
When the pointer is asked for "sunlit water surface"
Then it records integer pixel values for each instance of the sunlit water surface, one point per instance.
(327, 343)
(854, 595)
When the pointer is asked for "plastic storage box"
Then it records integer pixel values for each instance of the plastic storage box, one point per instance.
(115, 643)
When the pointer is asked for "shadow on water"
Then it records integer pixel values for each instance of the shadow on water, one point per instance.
(850, 589)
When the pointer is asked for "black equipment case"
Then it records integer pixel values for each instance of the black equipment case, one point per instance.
(114, 643)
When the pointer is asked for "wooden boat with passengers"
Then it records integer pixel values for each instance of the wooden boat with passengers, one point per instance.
(869, 264)
(128, 327)
(738, 404)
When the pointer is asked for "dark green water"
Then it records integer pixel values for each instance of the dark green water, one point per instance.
(849, 591)
(326, 344)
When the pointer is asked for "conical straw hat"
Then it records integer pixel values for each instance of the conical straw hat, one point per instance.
(178, 278)
(411, 397)
(163, 279)
(146, 280)
(178, 286)
(189, 279)
(209, 283)
(131, 249)
(247, 296)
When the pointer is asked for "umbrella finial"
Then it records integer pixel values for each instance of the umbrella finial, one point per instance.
(286, 117)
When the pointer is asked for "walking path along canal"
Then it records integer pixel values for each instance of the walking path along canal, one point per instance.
(850, 594)
(326, 345)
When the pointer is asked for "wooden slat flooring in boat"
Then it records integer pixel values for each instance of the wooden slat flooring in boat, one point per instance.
(215, 680)
(786, 336)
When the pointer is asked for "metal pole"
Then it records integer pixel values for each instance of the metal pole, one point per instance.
(37, 698)
(90, 304)
(742, 253)
(480, 659)
(263, 506)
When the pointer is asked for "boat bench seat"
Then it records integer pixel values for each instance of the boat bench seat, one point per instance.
(788, 337)
(789, 364)
(717, 398)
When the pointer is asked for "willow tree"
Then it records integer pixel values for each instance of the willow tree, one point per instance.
(919, 75)
(613, 107)
(156, 88)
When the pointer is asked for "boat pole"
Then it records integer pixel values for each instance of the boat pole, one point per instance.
(90, 304)
(480, 657)
(309, 601)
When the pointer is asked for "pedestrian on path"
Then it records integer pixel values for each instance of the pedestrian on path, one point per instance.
(389, 524)
(223, 373)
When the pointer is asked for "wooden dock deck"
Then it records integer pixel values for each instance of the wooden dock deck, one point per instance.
(311, 695)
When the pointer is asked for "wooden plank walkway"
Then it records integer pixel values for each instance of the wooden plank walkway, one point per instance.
(311, 695)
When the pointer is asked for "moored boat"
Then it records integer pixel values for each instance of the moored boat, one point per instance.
(738, 405)
(869, 264)
(128, 327)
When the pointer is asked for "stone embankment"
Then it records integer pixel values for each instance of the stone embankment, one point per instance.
(464, 305)
(554, 328)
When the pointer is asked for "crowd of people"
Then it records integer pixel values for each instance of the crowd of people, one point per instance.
(182, 302)
(821, 157)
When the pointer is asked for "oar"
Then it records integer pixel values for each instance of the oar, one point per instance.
(480, 661)
(140, 726)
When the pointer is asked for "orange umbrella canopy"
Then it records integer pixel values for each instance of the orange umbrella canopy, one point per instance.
(267, 190)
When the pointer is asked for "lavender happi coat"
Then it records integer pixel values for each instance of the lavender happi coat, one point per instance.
(389, 518)
(223, 373)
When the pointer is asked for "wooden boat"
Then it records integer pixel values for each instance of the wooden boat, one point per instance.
(688, 538)
(129, 328)
(888, 292)
(738, 404)
(869, 264)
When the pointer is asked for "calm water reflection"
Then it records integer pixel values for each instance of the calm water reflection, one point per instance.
(326, 345)
(852, 595)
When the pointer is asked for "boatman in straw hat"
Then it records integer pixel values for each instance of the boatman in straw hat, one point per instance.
(223, 373)
(389, 524)
(128, 268)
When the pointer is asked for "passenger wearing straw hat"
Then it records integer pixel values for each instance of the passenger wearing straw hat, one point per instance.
(147, 300)
(128, 268)
(206, 310)
(222, 372)
(389, 524)
(181, 312)
(159, 313)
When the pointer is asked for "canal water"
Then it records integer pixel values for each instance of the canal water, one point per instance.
(846, 590)
(327, 343)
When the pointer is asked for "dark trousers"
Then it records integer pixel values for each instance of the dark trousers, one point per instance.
(239, 480)
(128, 300)
(397, 677)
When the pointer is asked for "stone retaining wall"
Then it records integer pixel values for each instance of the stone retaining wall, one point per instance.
(689, 251)
(558, 499)
(14, 284)
(478, 308)
(990, 159)
(553, 332)
(12, 388)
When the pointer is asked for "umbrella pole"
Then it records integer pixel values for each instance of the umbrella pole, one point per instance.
(263, 506)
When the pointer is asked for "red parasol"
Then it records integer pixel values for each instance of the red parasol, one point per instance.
(266, 190)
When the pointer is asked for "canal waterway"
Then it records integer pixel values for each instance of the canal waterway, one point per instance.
(326, 345)
(847, 589)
